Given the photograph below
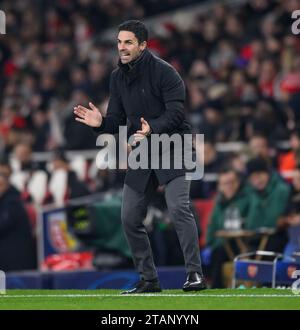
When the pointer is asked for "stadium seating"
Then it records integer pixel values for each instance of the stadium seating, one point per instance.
(204, 209)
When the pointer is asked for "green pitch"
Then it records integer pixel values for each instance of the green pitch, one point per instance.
(168, 299)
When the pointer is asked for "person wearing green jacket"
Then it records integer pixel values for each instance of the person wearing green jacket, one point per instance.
(271, 195)
(233, 205)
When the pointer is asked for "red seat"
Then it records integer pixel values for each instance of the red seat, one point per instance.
(204, 209)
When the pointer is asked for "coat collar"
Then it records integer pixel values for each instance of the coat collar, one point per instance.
(135, 68)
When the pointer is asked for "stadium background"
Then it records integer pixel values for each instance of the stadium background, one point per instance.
(241, 66)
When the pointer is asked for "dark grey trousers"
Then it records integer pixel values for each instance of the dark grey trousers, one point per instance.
(134, 210)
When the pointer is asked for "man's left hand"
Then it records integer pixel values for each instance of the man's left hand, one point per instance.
(145, 131)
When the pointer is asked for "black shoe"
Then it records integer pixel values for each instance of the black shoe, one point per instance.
(144, 287)
(194, 282)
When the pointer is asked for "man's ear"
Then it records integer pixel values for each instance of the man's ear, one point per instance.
(143, 45)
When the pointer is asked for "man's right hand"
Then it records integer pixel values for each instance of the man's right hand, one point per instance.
(91, 117)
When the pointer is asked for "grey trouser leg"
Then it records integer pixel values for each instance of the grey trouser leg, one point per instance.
(134, 210)
(133, 213)
(177, 193)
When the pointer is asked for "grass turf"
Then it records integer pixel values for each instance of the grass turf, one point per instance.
(167, 300)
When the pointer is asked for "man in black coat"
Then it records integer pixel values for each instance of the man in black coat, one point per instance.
(17, 248)
(147, 94)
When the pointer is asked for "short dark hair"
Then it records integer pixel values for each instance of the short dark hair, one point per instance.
(229, 169)
(259, 135)
(136, 27)
(258, 165)
(59, 154)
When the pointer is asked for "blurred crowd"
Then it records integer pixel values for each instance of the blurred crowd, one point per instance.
(241, 67)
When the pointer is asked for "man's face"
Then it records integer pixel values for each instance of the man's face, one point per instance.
(5, 170)
(23, 153)
(259, 146)
(129, 47)
(228, 184)
(259, 180)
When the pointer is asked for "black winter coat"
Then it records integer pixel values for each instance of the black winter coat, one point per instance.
(149, 88)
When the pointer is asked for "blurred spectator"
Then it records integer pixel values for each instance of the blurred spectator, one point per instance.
(28, 176)
(61, 60)
(291, 217)
(73, 187)
(42, 131)
(22, 158)
(259, 147)
(213, 162)
(17, 248)
(290, 160)
(267, 77)
(6, 170)
(5, 167)
(238, 162)
(214, 127)
(271, 195)
(232, 209)
(265, 120)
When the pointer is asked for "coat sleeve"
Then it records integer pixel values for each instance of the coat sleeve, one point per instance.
(173, 94)
(115, 112)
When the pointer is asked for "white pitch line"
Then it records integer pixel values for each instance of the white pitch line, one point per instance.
(151, 295)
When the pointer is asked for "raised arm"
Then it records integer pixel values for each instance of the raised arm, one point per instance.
(115, 113)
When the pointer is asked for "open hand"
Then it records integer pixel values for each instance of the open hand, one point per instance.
(91, 117)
